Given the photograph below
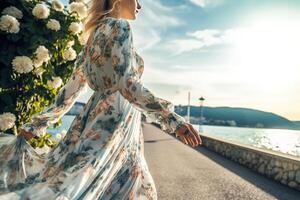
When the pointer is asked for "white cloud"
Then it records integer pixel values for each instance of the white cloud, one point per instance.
(215, 85)
(179, 46)
(200, 39)
(205, 3)
(153, 19)
(193, 41)
(208, 36)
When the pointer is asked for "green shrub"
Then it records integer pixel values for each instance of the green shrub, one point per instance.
(39, 43)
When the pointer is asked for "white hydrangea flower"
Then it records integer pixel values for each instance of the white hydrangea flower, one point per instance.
(57, 5)
(70, 43)
(7, 121)
(22, 64)
(75, 27)
(69, 54)
(39, 71)
(37, 62)
(9, 24)
(56, 82)
(82, 39)
(79, 8)
(41, 11)
(53, 24)
(13, 11)
(42, 54)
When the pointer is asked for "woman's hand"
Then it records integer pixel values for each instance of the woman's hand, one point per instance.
(188, 135)
(27, 135)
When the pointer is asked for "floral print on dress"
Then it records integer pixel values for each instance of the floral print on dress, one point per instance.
(102, 154)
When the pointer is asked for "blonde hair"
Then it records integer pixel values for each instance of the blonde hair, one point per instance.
(97, 10)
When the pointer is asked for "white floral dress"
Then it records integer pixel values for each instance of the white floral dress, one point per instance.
(102, 154)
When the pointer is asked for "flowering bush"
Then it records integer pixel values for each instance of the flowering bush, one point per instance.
(40, 40)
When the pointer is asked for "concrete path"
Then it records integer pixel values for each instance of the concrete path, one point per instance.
(182, 172)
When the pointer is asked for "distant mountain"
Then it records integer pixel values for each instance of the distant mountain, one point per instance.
(297, 123)
(225, 116)
(241, 117)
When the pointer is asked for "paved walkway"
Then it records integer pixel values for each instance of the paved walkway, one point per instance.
(182, 172)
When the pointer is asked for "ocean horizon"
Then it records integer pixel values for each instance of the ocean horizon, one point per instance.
(280, 140)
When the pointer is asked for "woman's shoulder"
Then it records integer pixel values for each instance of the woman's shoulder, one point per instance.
(113, 29)
(113, 22)
(119, 29)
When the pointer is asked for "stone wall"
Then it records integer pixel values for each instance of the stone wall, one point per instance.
(275, 165)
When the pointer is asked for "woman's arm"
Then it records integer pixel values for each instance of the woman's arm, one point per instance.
(132, 87)
(63, 102)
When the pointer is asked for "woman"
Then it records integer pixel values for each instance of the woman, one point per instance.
(102, 154)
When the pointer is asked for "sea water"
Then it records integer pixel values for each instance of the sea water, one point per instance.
(282, 140)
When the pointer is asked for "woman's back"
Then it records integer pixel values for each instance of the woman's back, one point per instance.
(110, 56)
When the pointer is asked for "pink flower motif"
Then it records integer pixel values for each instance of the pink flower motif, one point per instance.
(93, 135)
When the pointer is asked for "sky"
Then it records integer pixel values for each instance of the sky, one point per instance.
(233, 53)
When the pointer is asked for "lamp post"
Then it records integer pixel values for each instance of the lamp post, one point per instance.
(201, 99)
(188, 108)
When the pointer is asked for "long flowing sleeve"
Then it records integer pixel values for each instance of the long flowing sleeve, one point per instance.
(63, 101)
(131, 86)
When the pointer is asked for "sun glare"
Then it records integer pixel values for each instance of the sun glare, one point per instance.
(267, 52)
